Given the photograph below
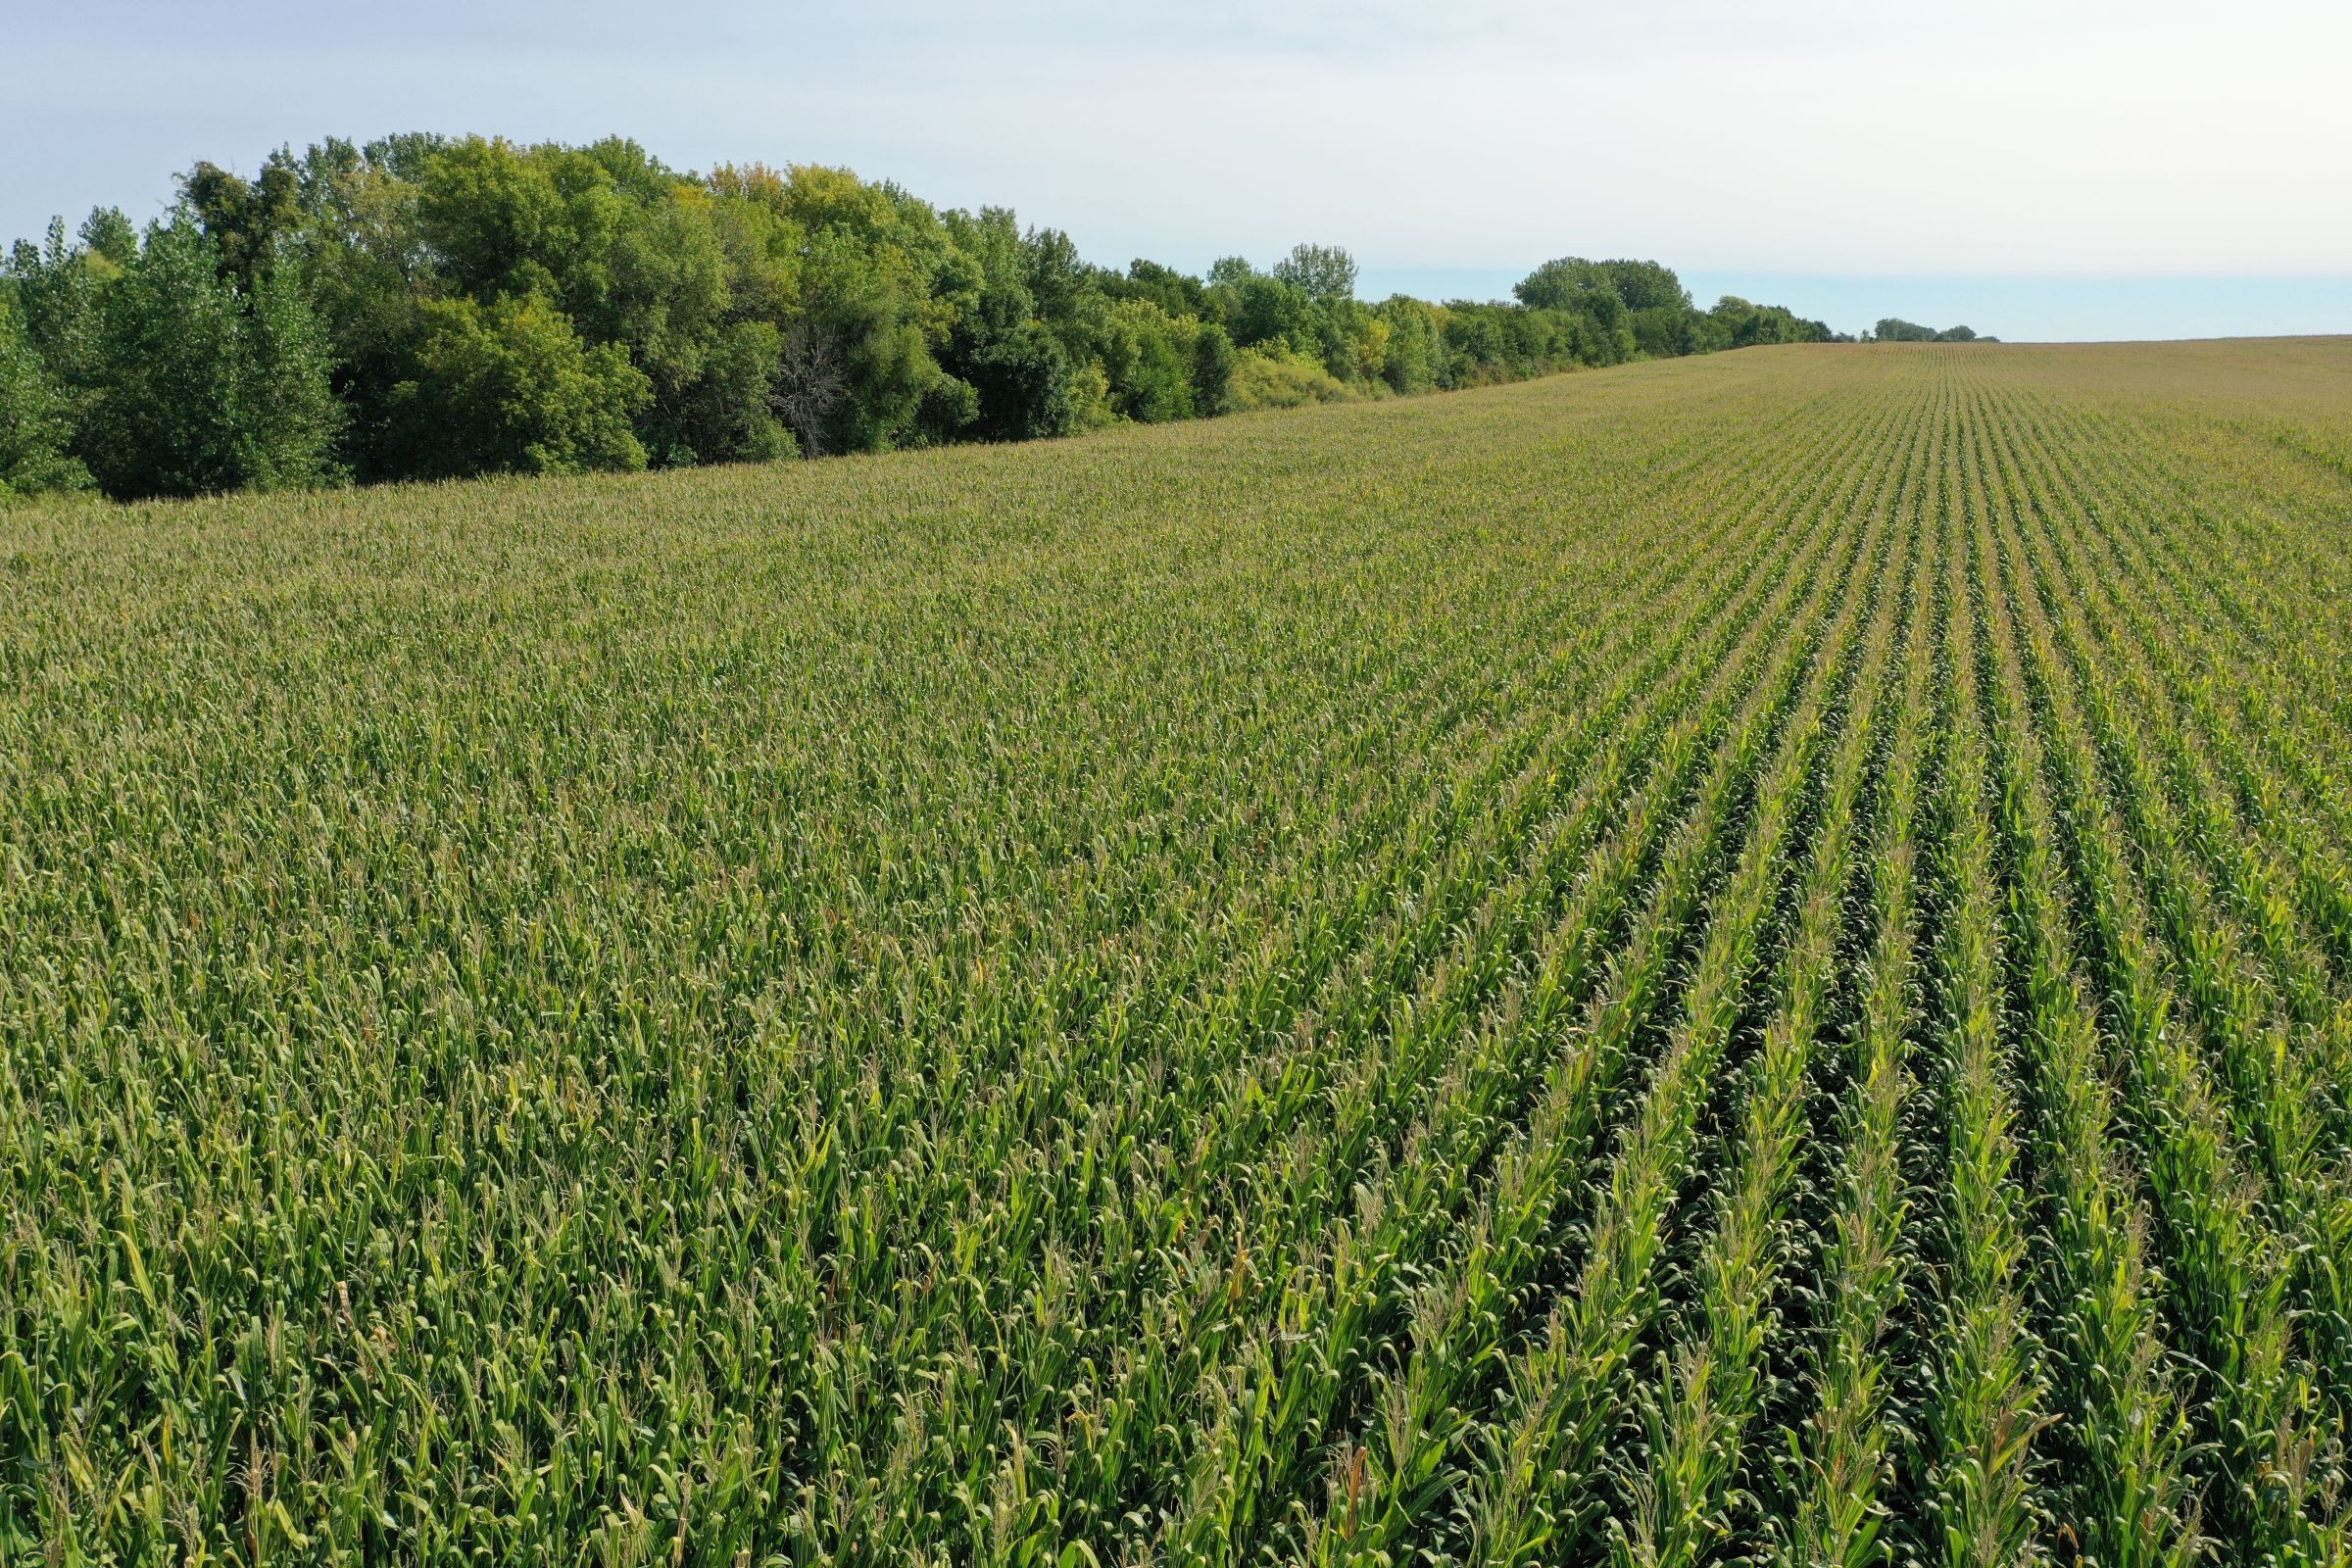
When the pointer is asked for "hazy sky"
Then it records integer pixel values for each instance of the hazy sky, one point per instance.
(2110, 168)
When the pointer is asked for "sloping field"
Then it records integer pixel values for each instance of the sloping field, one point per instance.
(1745, 958)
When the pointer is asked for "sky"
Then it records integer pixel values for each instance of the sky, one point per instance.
(2039, 169)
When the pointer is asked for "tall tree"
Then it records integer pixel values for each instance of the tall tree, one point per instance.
(510, 387)
(36, 426)
(196, 387)
(1319, 271)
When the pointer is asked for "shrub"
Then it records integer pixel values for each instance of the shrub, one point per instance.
(1262, 381)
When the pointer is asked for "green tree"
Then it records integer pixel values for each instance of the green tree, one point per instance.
(1156, 382)
(882, 286)
(1058, 280)
(1004, 380)
(1748, 324)
(629, 251)
(1647, 285)
(1214, 361)
(54, 288)
(195, 387)
(1278, 380)
(1019, 373)
(511, 387)
(1350, 337)
(1319, 271)
(111, 240)
(1272, 313)
(366, 267)
(288, 418)
(1415, 361)
(1177, 293)
(36, 428)
(731, 410)
(247, 221)
(1666, 331)
(1560, 285)
(500, 220)
(478, 304)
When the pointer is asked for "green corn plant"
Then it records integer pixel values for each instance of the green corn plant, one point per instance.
(1534, 1490)
(2117, 1406)
(1839, 1462)
(2230, 1276)
(1745, 959)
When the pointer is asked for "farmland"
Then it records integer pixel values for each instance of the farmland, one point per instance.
(1742, 959)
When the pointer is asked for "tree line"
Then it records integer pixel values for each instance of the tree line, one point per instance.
(427, 307)
(1895, 329)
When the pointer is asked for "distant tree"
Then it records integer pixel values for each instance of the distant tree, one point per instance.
(1017, 370)
(246, 222)
(882, 277)
(1281, 380)
(671, 308)
(54, 288)
(1056, 274)
(36, 426)
(1647, 285)
(1748, 324)
(1023, 380)
(111, 239)
(1895, 329)
(289, 418)
(1561, 283)
(1415, 360)
(1566, 281)
(1319, 271)
(1214, 359)
(1177, 293)
(1364, 337)
(729, 412)
(1610, 340)
(811, 382)
(1667, 331)
(511, 387)
(1003, 352)
(1156, 381)
(1476, 349)
(1590, 290)
(423, 305)
(195, 387)
(1268, 310)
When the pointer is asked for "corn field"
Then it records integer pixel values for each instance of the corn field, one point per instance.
(1735, 961)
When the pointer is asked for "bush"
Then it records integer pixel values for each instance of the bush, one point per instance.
(1262, 381)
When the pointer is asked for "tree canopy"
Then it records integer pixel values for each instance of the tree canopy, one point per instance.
(426, 307)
